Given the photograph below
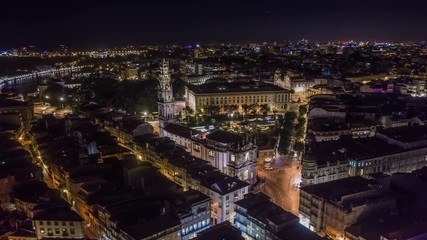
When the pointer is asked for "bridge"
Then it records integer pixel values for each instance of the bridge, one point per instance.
(40, 73)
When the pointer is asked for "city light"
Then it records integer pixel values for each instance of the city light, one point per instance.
(208, 133)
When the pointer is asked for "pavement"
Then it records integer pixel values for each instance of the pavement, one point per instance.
(281, 183)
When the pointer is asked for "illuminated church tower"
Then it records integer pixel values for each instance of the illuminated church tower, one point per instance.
(165, 97)
(282, 80)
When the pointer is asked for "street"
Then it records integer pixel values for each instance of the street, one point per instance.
(280, 183)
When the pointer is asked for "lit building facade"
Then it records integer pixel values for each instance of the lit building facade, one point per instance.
(391, 151)
(329, 208)
(58, 225)
(194, 173)
(225, 93)
(230, 153)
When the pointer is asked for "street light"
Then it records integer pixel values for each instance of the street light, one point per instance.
(47, 96)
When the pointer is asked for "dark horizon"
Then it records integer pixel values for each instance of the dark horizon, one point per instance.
(99, 24)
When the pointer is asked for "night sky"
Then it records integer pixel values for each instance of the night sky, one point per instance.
(106, 23)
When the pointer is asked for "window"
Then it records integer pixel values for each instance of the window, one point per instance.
(232, 157)
(57, 231)
(56, 223)
(41, 222)
(48, 223)
(211, 154)
(63, 223)
(71, 223)
(42, 230)
(246, 175)
(196, 147)
(72, 231)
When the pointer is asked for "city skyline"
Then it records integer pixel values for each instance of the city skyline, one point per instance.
(179, 120)
(101, 24)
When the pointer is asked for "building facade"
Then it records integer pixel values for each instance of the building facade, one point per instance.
(329, 208)
(194, 173)
(60, 225)
(391, 151)
(231, 153)
(226, 93)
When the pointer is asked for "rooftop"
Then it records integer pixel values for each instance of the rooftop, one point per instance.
(9, 103)
(58, 215)
(180, 130)
(222, 231)
(260, 207)
(224, 137)
(349, 148)
(158, 224)
(235, 87)
(406, 134)
(335, 190)
(199, 169)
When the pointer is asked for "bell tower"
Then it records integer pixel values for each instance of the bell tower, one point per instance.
(278, 77)
(165, 97)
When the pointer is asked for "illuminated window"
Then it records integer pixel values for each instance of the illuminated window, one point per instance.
(232, 157)
(246, 175)
(196, 147)
(211, 154)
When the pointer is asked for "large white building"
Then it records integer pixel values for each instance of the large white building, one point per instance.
(228, 92)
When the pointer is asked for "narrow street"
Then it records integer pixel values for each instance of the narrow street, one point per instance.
(280, 183)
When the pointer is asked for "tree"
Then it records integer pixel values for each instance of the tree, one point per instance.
(188, 111)
(287, 132)
(54, 95)
(212, 110)
(299, 146)
(264, 109)
(284, 141)
(231, 108)
(246, 108)
(302, 110)
(253, 108)
(300, 126)
(290, 116)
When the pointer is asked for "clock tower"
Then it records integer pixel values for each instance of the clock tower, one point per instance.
(165, 97)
